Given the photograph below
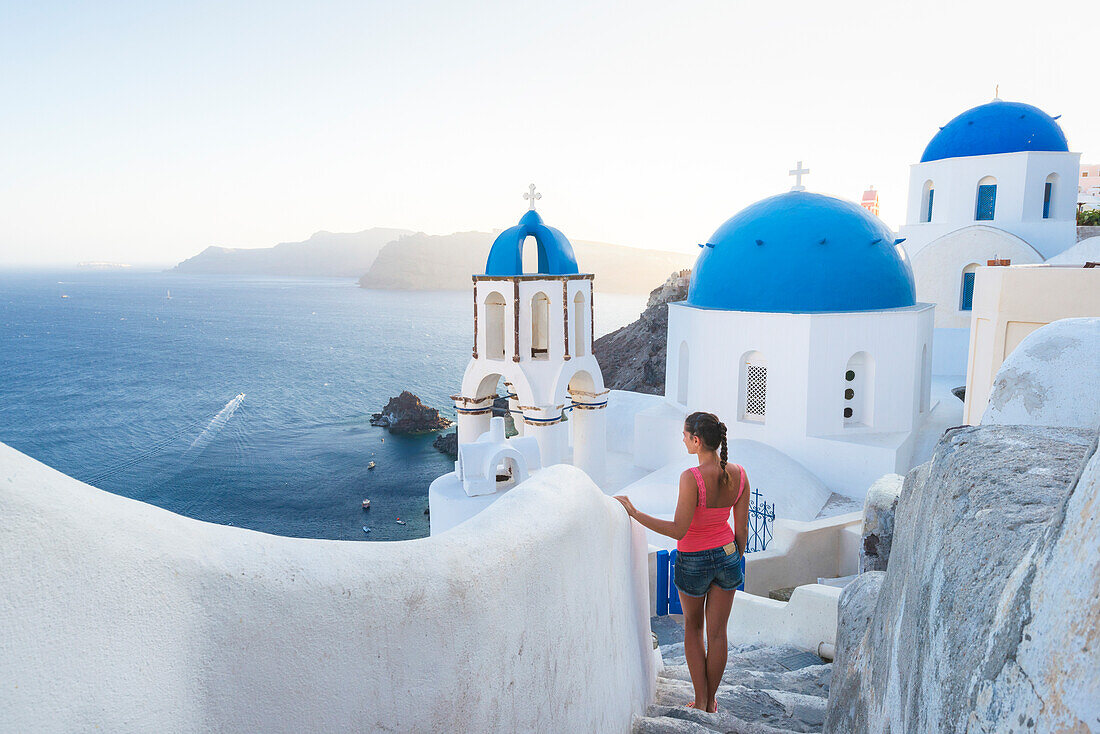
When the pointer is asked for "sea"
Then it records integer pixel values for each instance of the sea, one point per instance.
(236, 400)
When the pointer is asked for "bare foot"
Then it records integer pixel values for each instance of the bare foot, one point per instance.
(712, 708)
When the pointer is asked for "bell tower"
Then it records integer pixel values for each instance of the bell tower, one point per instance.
(534, 331)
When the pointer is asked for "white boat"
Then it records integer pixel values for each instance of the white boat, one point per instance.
(366, 529)
(400, 521)
(366, 504)
(169, 296)
(370, 465)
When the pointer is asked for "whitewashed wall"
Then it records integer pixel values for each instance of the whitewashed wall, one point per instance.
(118, 616)
(807, 356)
(1021, 179)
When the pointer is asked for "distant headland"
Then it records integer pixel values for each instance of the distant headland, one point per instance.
(396, 259)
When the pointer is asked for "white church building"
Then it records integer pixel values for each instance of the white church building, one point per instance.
(801, 331)
(997, 182)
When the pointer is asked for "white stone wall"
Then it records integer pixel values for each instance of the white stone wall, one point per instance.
(118, 616)
(1021, 179)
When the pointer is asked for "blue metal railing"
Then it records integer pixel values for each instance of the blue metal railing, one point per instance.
(760, 521)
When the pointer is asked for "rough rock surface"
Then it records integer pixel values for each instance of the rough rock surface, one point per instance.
(878, 522)
(633, 357)
(987, 616)
(857, 607)
(406, 414)
(758, 694)
(1052, 378)
(447, 443)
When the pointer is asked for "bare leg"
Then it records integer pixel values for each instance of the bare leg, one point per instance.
(718, 605)
(693, 646)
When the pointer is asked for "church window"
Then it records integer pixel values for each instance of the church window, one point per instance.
(1048, 194)
(926, 201)
(987, 199)
(579, 337)
(682, 375)
(495, 309)
(858, 381)
(754, 387)
(540, 326)
(966, 294)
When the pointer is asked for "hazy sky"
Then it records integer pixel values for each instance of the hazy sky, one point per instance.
(145, 131)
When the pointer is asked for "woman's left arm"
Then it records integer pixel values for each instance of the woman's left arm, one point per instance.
(741, 515)
(685, 508)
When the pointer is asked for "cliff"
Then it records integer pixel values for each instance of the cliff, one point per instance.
(633, 356)
(325, 254)
(446, 262)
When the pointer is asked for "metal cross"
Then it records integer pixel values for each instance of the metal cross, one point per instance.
(532, 196)
(797, 173)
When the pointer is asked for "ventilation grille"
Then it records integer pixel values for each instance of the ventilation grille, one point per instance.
(756, 391)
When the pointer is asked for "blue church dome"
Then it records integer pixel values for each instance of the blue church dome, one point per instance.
(997, 127)
(555, 253)
(800, 252)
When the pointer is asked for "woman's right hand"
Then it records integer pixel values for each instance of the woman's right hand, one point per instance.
(630, 509)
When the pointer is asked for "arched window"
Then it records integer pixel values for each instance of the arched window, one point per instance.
(924, 379)
(494, 330)
(966, 288)
(529, 255)
(987, 199)
(927, 196)
(579, 336)
(540, 326)
(859, 381)
(682, 375)
(754, 387)
(1048, 194)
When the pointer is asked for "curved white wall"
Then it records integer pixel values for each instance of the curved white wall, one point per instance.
(119, 616)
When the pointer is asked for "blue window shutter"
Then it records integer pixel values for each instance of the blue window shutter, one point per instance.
(1046, 199)
(966, 303)
(928, 214)
(987, 202)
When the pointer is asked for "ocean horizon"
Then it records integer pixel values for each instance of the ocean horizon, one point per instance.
(129, 380)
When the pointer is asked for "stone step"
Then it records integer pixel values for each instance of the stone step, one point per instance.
(811, 681)
(780, 709)
(681, 720)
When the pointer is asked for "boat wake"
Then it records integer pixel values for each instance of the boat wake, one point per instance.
(213, 428)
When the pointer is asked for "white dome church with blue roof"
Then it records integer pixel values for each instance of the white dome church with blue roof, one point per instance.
(801, 330)
(997, 182)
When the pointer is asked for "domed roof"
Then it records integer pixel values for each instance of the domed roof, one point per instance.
(555, 253)
(997, 127)
(801, 252)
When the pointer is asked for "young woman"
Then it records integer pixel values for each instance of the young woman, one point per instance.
(708, 559)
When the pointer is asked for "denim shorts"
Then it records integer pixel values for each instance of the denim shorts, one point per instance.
(696, 571)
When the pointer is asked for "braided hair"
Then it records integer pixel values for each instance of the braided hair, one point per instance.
(712, 432)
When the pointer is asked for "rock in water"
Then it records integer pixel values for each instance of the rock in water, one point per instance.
(406, 414)
(987, 616)
(447, 443)
(633, 357)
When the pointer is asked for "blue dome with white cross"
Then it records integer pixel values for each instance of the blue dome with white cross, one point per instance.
(997, 127)
(800, 252)
(555, 252)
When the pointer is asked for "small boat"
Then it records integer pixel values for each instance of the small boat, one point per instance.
(400, 521)
(370, 465)
(64, 295)
(366, 529)
(169, 296)
(366, 504)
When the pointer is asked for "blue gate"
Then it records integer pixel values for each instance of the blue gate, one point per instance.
(761, 518)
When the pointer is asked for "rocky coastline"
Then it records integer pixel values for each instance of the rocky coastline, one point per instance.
(633, 356)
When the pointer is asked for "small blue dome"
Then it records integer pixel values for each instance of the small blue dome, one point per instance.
(555, 253)
(997, 127)
(800, 252)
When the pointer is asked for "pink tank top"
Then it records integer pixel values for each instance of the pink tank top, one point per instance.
(710, 526)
